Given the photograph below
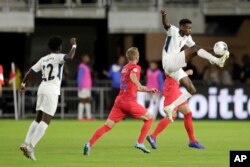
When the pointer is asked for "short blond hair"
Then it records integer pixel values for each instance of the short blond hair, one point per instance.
(132, 53)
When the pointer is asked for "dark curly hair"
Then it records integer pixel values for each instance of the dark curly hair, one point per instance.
(55, 43)
(184, 21)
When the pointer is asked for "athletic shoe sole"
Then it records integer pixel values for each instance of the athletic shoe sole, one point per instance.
(142, 149)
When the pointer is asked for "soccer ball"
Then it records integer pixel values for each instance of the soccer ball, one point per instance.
(220, 48)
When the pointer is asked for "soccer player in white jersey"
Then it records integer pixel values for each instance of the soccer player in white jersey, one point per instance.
(51, 67)
(174, 58)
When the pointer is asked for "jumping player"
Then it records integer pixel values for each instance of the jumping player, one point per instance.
(173, 59)
(172, 92)
(125, 103)
(51, 67)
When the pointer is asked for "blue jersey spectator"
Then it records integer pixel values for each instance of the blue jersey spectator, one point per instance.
(114, 74)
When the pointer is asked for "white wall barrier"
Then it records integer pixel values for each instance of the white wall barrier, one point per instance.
(67, 106)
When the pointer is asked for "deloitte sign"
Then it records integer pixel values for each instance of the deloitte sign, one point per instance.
(221, 103)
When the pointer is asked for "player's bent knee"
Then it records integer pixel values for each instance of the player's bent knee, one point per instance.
(110, 123)
(147, 116)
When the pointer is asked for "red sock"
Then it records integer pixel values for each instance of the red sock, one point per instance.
(189, 126)
(160, 127)
(98, 133)
(144, 130)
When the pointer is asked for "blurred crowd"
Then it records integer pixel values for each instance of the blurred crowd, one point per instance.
(233, 73)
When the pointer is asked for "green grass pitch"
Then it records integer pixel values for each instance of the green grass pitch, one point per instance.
(63, 141)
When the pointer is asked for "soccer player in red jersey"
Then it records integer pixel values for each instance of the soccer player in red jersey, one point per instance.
(125, 103)
(171, 93)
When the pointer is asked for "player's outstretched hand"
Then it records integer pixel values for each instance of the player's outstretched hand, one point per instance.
(73, 41)
(153, 90)
(163, 12)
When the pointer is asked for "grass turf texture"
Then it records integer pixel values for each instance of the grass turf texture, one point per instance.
(63, 141)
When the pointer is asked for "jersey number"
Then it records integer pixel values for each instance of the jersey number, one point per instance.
(50, 77)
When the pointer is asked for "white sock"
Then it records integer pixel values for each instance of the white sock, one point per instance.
(206, 55)
(30, 132)
(39, 132)
(80, 110)
(181, 99)
(88, 110)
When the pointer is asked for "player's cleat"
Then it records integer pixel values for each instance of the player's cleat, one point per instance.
(23, 148)
(196, 144)
(142, 147)
(86, 149)
(28, 151)
(223, 59)
(169, 113)
(31, 152)
(152, 141)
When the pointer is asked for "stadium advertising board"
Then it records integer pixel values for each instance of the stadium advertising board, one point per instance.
(219, 103)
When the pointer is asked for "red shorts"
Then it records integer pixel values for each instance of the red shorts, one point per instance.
(121, 108)
(171, 91)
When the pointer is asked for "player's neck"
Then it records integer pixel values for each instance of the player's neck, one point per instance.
(133, 62)
(56, 51)
(181, 33)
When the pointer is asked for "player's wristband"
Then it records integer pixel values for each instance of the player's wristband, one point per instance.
(74, 46)
(23, 84)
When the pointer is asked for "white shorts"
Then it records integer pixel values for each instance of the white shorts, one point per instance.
(47, 103)
(173, 62)
(178, 75)
(84, 93)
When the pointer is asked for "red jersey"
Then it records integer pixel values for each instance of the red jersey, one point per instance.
(128, 89)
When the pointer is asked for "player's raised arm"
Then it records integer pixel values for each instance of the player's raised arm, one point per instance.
(72, 52)
(165, 21)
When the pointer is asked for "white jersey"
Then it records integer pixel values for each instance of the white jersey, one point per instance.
(174, 41)
(52, 68)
